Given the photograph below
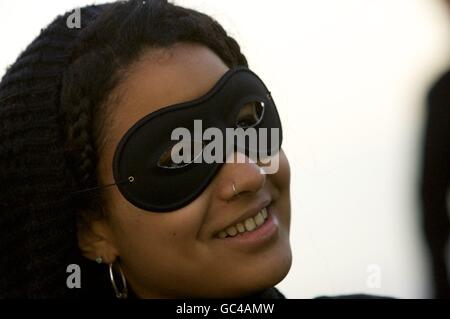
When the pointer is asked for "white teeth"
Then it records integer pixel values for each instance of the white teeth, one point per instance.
(249, 225)
(259, 219)
(240, 227)
(264, 212)
(222, 234)
(232, 231)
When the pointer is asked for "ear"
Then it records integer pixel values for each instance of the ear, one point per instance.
(96, 239)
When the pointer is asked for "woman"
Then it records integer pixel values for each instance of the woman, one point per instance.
(66, 107)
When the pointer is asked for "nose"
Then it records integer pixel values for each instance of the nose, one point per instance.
(240, 176)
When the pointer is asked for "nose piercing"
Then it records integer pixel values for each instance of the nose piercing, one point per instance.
(234, 189)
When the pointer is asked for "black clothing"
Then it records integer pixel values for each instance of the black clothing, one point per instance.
(435, 182)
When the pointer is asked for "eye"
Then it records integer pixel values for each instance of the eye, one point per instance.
(180, 154)
(250, 114)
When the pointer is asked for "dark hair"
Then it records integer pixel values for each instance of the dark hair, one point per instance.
(53, 108)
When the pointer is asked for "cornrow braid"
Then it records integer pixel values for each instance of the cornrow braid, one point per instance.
(81, 139)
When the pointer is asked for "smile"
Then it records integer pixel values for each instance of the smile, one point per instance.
(249, 225)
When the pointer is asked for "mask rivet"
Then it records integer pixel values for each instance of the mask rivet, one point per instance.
(131, 179)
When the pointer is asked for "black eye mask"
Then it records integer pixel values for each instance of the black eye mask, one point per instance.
(142, 159)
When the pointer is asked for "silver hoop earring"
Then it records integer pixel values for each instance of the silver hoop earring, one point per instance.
(119, 294)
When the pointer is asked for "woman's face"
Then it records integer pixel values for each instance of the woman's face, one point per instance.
(180, 254)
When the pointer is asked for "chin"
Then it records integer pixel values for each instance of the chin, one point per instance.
(262, 275)
(275, 270)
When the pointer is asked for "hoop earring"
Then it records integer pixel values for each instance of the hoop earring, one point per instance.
(119, 294)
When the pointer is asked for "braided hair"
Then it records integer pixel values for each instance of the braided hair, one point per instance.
(54, 106)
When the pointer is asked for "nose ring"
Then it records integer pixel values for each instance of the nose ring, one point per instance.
(234, 189)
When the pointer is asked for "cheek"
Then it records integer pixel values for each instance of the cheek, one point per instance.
(281, 179)
(144, 229)
(157, 249)
(148, 238)
(281, 183)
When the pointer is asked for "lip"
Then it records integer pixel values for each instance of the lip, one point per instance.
(265, 233)
(249, 213)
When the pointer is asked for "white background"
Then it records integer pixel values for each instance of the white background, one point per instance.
(349, 79)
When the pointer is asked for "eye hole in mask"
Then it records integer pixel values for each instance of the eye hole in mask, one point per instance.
(186, 151)
(250, 114)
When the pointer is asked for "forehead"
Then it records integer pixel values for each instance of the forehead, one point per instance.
(163, 77)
